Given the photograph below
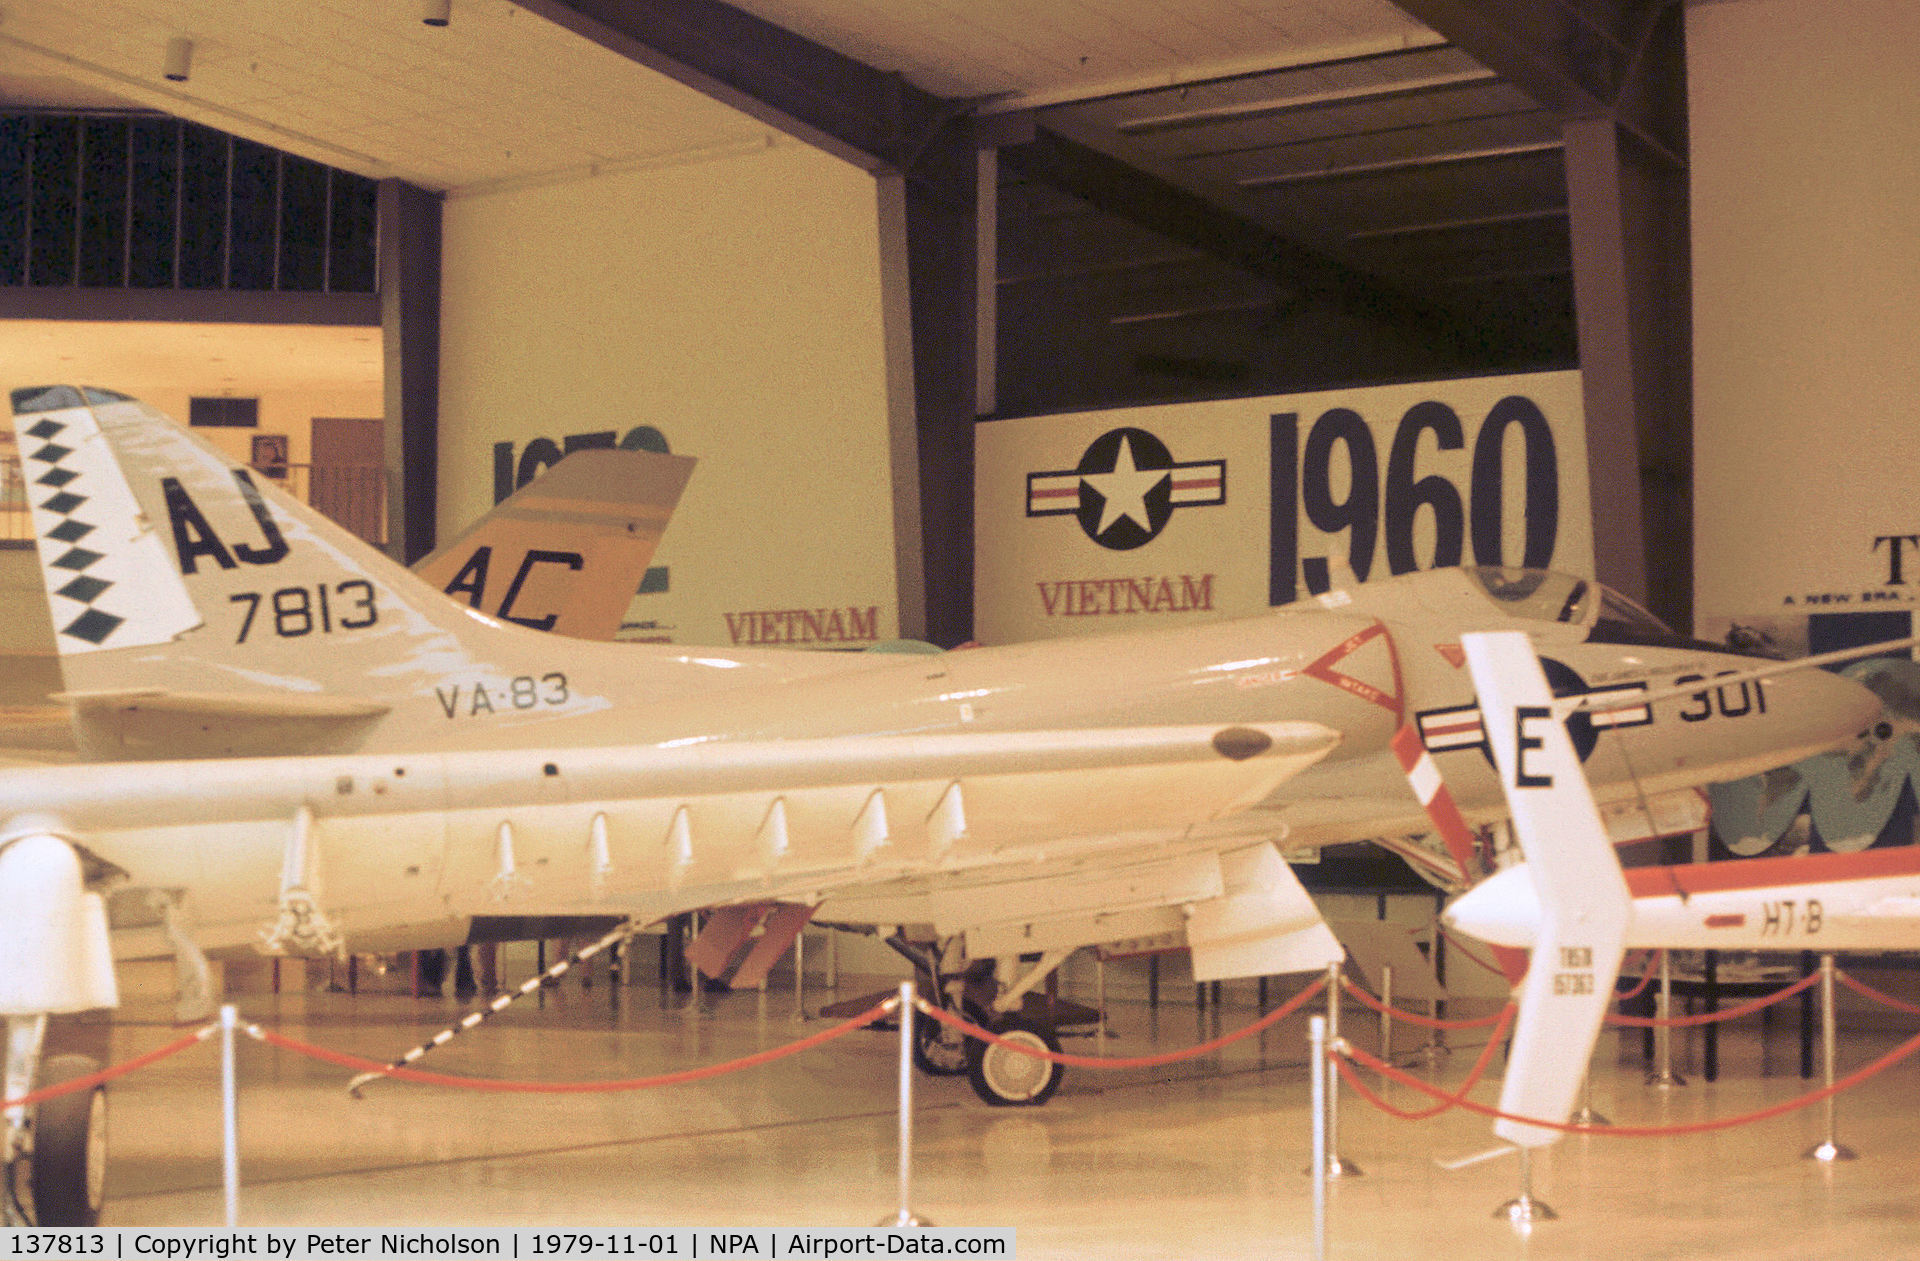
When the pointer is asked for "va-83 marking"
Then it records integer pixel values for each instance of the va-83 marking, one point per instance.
(526, 691)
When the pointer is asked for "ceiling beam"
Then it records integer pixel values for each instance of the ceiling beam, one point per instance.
(1299, 103)
(1618, 59)
(1130, 193)
(871, 118)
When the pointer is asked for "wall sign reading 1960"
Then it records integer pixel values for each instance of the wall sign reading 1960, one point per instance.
(1335, 480)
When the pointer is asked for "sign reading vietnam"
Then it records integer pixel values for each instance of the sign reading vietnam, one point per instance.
(1096, 521)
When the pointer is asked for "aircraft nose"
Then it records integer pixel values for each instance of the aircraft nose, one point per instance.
(1835, 709)
(1503, 910)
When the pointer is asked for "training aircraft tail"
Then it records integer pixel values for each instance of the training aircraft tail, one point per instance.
(566, 552)
(1584, 899)
(200, 611)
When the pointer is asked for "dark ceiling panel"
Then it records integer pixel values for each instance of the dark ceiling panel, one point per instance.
(1580, 58)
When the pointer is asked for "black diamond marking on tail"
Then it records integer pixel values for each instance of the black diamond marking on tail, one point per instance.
(76, 558)
(70, 531)
(52, 453)
(55, 477)
(46, 429)
(93, 626)
(64, 502)
(84, 589)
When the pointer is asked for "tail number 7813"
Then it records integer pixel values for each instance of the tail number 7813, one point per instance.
(292, 612)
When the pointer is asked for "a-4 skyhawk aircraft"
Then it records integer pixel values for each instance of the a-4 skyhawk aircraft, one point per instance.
(351, 756)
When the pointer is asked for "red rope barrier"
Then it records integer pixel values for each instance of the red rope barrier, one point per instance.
(573, 1087)
(1426, 1022)
(1366, 1061)
(76, 1084)
(1272, 1018)
(1709, 1017)
(1473, 1077)
(1651, 957)
(1867, 991)
(1453, 939)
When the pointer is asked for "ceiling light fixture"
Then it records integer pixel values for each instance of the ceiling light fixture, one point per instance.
(179, 60)
(436, 12)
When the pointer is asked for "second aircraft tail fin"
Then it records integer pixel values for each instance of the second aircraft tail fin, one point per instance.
(566, 552)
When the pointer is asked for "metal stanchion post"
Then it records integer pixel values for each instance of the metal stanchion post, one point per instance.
(1436, 1048)
(229, 1117)
(800, 976)
(1337, 1165)
(1586, 1115)
(1523, 1210)
(1386, 1013)
(833, 959)
(1831, 1149)
(1663, 1075)
(906, 1216)
(1317, 1043)
(1100, 1001)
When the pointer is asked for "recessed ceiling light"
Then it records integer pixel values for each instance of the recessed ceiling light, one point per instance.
(178, 62)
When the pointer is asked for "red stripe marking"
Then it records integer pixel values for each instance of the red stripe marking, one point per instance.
(1771, 873)
(1407, 748)
(1037, 493)
(1197, 483)
(1726, 921)
(1444, 814)
(1452, 728)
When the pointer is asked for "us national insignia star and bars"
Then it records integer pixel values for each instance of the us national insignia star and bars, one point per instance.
(1125, 488)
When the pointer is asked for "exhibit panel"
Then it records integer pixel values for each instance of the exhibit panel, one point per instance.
(1097, 521)
(670, 307)
(1805, 259)
(1806, 512)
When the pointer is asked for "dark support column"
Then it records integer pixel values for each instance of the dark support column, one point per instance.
(1628, 219)
(410, 321)
(941, 240)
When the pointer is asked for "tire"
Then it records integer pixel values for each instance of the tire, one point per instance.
(1008, 1079)
(939, 1050)
(69, 1171)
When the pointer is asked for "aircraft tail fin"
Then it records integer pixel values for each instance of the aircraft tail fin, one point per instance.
(567, 552)
(1584, 902)
(199, 610)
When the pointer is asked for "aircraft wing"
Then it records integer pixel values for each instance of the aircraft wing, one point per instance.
(648, 829)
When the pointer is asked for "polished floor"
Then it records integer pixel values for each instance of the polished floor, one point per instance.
(1204, 1160)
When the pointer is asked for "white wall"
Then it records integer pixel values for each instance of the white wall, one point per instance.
(1806, 265)
(734, 303)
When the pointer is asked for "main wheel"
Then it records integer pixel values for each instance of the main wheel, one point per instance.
(1004, 1077)
(939, 1050)
(70, 1148)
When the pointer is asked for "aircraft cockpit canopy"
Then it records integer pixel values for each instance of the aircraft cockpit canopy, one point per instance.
(1548, 596)
(1540, 594)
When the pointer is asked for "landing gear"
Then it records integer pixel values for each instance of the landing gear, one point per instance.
(939, 1050)
(56, 957)
(69, 1167)
(1004, 1077)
